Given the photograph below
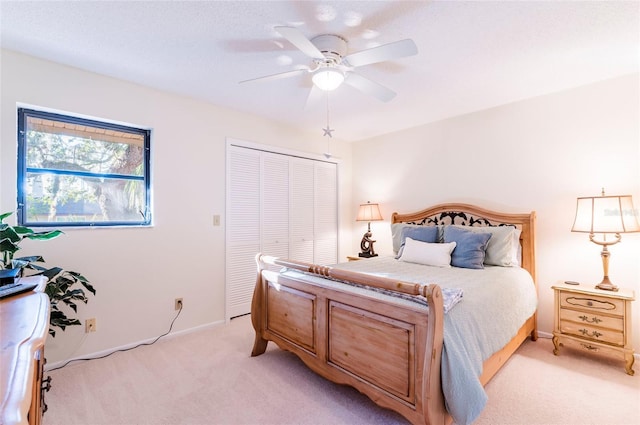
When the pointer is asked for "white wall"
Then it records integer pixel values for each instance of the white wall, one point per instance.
(535, 155)
(538, 154)
(139, 271)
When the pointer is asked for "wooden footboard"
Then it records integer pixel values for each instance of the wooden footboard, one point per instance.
(391, 353)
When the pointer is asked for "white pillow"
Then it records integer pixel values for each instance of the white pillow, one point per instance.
(503, 247)
(429, 254)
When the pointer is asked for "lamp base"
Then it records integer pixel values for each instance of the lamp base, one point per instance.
(366, 246)
(606, 285)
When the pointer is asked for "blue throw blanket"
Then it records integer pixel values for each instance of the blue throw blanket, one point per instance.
(497, 301)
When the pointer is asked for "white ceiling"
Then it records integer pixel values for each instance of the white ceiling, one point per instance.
(472, 55)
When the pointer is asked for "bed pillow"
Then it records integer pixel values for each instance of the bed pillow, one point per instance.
(429, 254)
(503, 247)
(470, 247)
(418, 233)
(398, 235)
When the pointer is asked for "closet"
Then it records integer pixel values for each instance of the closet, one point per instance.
(277, 204)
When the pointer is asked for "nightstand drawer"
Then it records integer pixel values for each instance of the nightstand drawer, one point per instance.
(592, 318)
(591, 302)
(608, 336)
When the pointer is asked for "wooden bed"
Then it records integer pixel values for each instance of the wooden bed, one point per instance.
(388, 352)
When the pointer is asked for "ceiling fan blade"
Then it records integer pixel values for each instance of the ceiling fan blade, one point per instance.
(295, 37)
(395, 50)
(314, 98)
(369, 87)
(277, 76)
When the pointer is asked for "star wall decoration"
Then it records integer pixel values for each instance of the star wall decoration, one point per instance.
(328, 131)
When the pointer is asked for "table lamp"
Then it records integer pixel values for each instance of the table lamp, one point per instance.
(606, 215)
(368, 212)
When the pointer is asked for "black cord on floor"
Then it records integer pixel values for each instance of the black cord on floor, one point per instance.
(124, 349)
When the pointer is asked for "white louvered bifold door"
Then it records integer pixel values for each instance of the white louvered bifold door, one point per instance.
(301, 208)
(279, 205)
(243, 228)
(325, 224)
(275, 205)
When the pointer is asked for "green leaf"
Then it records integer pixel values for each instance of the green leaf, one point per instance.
(84, 281)
(60, 320)
(79, 277)
(7, 245)
(52, 272)
(5, 215)
(23, 230)
(43, 236)
(60, 317)
(89, 287)
(8, 232)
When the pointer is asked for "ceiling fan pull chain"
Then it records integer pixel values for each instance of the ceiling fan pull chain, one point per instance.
(327, 109)
(328, 130)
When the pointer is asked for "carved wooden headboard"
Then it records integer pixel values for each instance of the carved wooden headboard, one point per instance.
(470, 215)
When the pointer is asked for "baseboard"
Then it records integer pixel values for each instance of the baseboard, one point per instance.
(103, 353)
(91, 356)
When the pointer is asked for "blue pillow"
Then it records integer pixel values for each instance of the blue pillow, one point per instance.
(427, 234)
(470, 247)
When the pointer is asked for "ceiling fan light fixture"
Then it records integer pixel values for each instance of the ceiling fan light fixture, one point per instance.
(328, 79)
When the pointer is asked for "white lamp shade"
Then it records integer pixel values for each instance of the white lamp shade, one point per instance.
(369, 212)
(606, 214)
(328, 79)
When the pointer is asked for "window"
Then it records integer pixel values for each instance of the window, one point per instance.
(80, 172)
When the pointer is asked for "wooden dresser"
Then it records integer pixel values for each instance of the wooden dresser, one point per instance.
(24, 325)
(594, 320)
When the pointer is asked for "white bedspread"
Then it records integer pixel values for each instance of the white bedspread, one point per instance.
(496, 303)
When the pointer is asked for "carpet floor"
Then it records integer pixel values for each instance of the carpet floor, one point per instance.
(208, 377)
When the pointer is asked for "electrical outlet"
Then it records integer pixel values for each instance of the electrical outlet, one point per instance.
(178, 304)
(216, 220)
(90, 325)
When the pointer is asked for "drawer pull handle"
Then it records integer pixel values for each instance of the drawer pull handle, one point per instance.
(589, 347)
(594, 334)
(596, 304)
(46, 384)
(593, 320)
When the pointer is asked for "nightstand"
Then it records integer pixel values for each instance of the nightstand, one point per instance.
(594, 320)
(353, 258)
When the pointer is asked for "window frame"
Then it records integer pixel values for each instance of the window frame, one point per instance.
(23, 114)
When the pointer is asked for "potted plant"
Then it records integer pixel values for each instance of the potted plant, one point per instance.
(64, 287)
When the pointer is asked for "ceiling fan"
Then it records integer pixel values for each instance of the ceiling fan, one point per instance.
(332, 65)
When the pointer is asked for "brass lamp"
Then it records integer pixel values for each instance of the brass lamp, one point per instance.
(368, 212)
(606, 215)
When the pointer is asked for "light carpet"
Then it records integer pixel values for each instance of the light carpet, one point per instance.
(208, 377)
